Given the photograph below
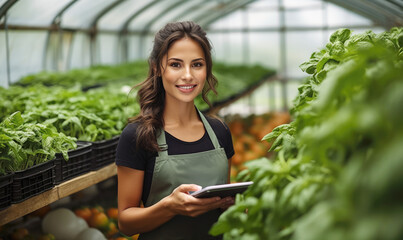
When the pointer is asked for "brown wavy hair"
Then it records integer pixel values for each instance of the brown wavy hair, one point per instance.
(151, 94)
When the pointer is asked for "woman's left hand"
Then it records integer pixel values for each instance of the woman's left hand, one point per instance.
(229, 201)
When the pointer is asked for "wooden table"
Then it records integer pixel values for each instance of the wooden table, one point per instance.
(60, 191)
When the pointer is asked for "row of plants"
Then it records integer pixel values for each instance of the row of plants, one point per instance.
(233, 79)
(336, 168)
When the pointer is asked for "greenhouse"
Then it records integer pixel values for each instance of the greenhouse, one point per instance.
(105, 103)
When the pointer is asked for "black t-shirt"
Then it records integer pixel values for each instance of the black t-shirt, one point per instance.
(128, 156)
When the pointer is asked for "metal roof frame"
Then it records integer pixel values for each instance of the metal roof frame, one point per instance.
(387, 13)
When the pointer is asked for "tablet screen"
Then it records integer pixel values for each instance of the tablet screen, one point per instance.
(223, 190)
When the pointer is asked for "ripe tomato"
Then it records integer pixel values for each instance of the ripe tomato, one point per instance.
(112, 229)
(84, 213)
(99, 220)
(112, 213)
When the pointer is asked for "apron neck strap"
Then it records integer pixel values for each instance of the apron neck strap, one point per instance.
(164, 147)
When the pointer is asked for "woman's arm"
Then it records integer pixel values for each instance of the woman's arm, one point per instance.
(229, 170)
(135, 219)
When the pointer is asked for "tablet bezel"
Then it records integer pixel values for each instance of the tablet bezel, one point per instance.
(222, 190)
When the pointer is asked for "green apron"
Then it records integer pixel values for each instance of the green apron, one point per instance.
(170, 171)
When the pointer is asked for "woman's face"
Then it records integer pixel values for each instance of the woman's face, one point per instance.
(183, 71)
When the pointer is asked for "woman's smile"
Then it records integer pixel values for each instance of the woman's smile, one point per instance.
(187, 88)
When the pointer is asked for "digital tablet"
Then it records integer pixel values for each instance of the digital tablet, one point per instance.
(223, 190)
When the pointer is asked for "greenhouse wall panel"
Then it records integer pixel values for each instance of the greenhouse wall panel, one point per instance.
(264, 49)
(217, 43)
(3, 61)
(133, 48)
(300, 46)
(80, 53)
(233, 48)
(25, 56)
(107, 45)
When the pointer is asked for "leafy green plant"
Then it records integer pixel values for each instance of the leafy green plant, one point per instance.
(335, 171)
(24, 144)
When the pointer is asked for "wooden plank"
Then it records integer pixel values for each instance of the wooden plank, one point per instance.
(81, 182)
(18, 210)
(60, 191)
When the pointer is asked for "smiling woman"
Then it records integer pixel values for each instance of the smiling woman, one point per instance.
(171, 148)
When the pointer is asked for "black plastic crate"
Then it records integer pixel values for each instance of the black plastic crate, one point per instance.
(6, 190)
(79, 162)
(33, 181)
(104, 152)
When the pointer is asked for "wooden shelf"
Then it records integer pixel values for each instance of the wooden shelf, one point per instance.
(60, 191)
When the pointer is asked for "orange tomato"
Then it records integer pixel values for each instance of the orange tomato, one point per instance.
(112, 213)
(84, 213)
(238, 146)
(236, 128)
(112, 229)
(99, 220)
(97, 209)
(237, 159)
(251, 155)
(135, 237)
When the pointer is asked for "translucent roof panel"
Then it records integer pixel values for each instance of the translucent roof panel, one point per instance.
(260, 19)
(301, 3)
(176, 14)
(231, 21)
(116, 17)
(337, 16)
(34, 12)
(304, 18)
(263, 4)
(82, 13)
(206, 7)
(140, 23)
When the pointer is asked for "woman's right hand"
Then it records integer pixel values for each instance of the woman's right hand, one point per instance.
(181, 202)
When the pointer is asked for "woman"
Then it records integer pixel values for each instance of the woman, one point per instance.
(170, 148)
